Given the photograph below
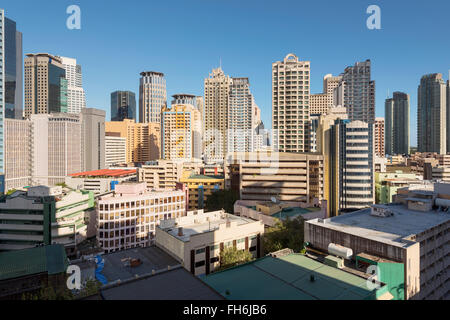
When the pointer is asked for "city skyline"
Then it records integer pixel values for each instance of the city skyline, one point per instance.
(185, 72)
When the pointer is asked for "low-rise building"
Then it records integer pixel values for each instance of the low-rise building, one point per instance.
(100, 181)
(200, 187)
(44, 216)
(128, 217)
(197, 239)
(411, 235)
(387, 184)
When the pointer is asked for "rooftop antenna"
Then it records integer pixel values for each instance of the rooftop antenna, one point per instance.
(220, 62)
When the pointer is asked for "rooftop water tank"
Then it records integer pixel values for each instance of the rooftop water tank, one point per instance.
(340, 251)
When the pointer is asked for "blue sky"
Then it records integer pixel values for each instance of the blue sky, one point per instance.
(186, 39)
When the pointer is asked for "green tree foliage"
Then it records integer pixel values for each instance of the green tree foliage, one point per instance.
(222, 199)
(48, 292)
(286, 234)
(230, 257)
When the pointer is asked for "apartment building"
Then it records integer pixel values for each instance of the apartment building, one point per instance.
(284, 176)
(322, 102)
(290, 104)
(45, 84)
(143, 139)
(128, 217)
(43, 216)
(379, 137)
(115, 149)
(76, 97)
(197, 239)
(408, 241)
(93, 138)
(432, 114)
(387, 184)
(152, 96)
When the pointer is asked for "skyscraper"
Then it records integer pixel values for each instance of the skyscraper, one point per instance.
(76, 98)
(322, 102)
(397, 124)
(241, 113)
(217, 91)
(93, 139)
(45, 84)
(2, 102)
(152, 96)
(432, 114)
(358, 92)
(379, 137)
(290, 104)
(123, 105)
(13, 70)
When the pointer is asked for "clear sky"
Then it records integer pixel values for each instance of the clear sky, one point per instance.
(185, 39)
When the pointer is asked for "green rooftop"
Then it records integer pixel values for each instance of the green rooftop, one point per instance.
(289, 278)
(50, 259)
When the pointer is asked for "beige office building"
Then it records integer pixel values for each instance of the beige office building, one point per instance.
(92, 139)
(290, 104)
(197, 239)
(143, 139)
(322, 102)
(284, 176)
(152, 96)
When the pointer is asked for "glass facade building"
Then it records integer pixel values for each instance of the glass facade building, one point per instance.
(123, 105)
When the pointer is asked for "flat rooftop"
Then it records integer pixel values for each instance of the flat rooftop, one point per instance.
(207, 226)
(105, 173)
(152, 258)
(389, 230)
(176, 284)
(288, 278)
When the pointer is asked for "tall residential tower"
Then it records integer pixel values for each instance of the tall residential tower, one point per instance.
(397, 124)
(152, 96)
(76, 98)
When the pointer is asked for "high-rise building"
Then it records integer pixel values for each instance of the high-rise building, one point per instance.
(432, 114)
(217, 91)
(350, 166)
(181, 133)
(2, 101)
(93, 139)
(379, 137)
(448, 114)
(143, 139)
(397, 124)
(152, 96)
(12, 69)
(183, 98)
(322, 102)
(123, 105)
(115, 149)
(45, 84)
(358, 92)
(242, 113)
(76, 98)
(290, 104)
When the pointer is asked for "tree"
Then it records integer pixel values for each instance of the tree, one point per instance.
(222, 199)
(231, 257)
(286, 234)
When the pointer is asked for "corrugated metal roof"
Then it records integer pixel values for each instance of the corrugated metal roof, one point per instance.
(51, 259)
(106, 173)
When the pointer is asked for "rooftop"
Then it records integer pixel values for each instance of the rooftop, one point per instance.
(389, 230)
(105, 173)
(288, 278)
(292, 212)
(176, 284)
(50, 259)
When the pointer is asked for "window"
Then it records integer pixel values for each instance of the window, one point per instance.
(215, 259)
(200, 264)
(200, 251)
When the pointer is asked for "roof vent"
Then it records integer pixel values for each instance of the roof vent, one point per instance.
(180, 232)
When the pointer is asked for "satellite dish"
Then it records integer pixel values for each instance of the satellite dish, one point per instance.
(274, 200)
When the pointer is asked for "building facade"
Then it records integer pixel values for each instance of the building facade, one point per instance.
(143, 139)
(200, 187)
(128, 218)
(115, 149)
(123, 105)
(432, 114)
(397, 124)
(45, 84)
(152, 96)
(321, 103)
(76, 97)
(290, 104)
(93, 139)
(379, 137)
(197, 239)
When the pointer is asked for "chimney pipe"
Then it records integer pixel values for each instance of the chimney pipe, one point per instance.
(180, 231)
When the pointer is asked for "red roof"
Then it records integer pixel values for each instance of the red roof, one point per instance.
(105, 173)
